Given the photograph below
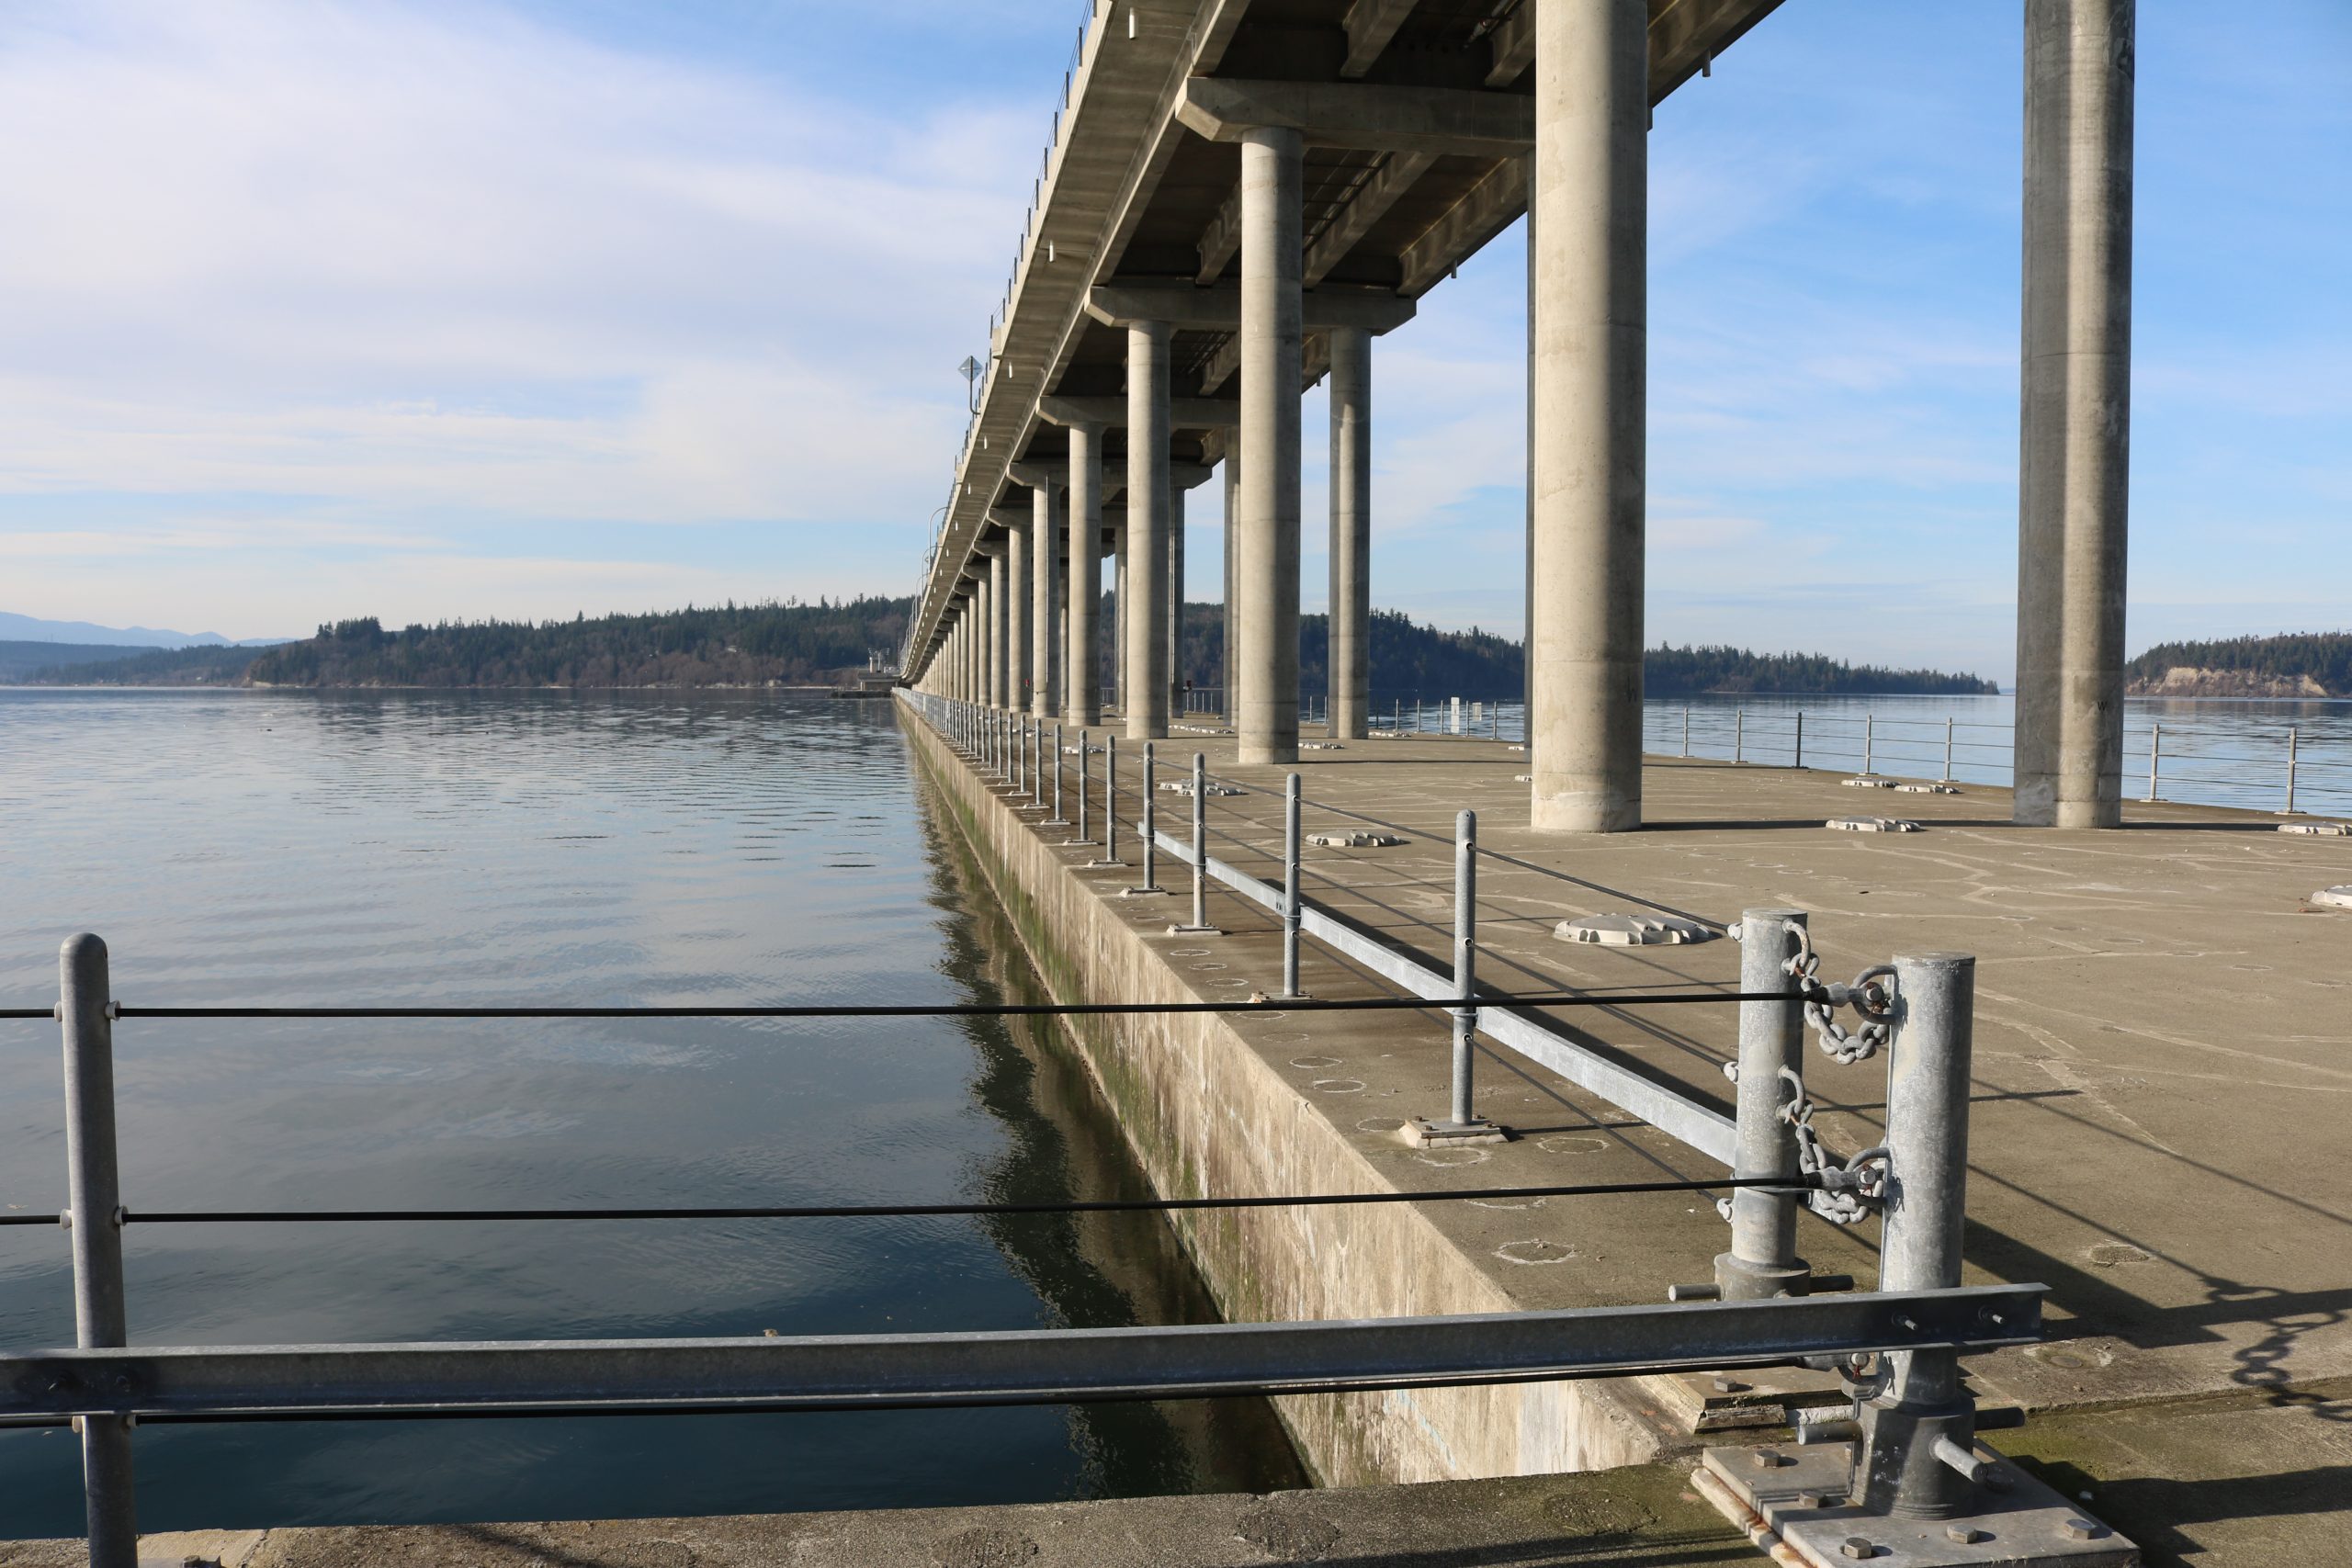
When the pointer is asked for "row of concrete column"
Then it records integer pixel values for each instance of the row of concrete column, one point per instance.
(1587, 264)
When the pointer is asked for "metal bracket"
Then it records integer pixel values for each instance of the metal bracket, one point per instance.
(1802, 1496)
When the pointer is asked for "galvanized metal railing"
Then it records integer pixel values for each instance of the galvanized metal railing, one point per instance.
(1918, 1009)
(1912, 1412)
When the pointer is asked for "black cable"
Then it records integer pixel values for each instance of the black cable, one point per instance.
(936, 1210)
(975, 1009)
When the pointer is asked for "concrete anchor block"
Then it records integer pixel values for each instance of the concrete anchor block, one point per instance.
(1184, 788)
(1872, 825)
(2337, 897)
(1868, 782)
(1632, 931)
(1320, 746)
(1422, 1133)
(2318, 830)
(1926, 789)
(1352, 841)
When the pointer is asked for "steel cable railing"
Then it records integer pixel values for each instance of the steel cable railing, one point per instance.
(913, 1211)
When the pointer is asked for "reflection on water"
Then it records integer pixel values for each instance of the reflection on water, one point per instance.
(541, 848)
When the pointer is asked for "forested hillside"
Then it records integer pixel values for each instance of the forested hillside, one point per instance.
(2300, 664)
(1409, 662)
(205, 664)
(736, 645)
(1691, 671)
(19, 659)
(828, 642)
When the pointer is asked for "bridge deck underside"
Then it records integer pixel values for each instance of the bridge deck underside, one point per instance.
(1135, 196)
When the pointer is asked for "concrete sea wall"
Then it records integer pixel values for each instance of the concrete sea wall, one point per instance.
(1206, 1114)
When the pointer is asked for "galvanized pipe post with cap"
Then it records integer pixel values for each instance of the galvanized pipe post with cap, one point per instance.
(1291, 990)
(1763, 1260)
(1915, 1459)
(94, 1212)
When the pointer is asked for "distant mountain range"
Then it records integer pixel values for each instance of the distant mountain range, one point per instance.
(31, 628)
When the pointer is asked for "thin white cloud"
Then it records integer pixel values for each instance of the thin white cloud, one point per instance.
(364, 251)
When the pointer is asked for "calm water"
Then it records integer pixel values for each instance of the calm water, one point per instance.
(264, 848)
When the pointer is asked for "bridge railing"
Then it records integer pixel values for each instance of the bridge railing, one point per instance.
(1912, 1423)
(104, 1387)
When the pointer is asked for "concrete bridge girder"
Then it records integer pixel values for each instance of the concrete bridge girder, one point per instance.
(1426, 133)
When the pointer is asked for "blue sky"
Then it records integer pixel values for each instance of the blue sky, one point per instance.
(457, 310)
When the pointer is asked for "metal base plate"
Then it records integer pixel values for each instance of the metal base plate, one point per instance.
(1420, 1132)
(2027, 1525)
(1751, 1396)
(1143, 892)
(1195, 931)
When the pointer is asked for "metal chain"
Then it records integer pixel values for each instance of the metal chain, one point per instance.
(1848, 1191)
(1871, 995)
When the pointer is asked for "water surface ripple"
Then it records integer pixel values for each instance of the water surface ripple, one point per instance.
(546, 849)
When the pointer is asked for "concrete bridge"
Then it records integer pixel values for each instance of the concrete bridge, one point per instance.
(1240, 197)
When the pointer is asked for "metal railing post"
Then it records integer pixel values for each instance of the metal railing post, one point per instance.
(1740, 735)
(1465, 957)
(1110, 801)
(1083, 824)
(1200, 857)
(2156, 750)
(1800, 758)
(1057, 820)
(1869, 729)
(1763, 1260)
(1947, 778)
(1289, 887)
(1686, 733)
(1918, 1433)
(93, 1200)
(1147, 826)
(2290, 772)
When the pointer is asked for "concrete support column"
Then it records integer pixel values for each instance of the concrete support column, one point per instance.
(1349, 659)
(1118, 682)
(1044, 534)
(1143, 557)
(1232, 652)
(1082, 680)
(999, 626)
(984, 624)
(2075, 412)
(1016, 617)
(1591, 202)
(1266, 717)
(1174, 641)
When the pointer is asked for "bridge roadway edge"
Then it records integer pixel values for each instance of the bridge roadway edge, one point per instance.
(1230, 1124)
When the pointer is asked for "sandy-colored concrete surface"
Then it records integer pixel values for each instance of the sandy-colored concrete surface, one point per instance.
(1643, 1517)
(2159, 1128)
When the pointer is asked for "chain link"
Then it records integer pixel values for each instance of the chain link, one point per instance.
(1847, 1192)
(1871, 995)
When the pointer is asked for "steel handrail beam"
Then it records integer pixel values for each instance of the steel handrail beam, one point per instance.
(1702, 1127)
(1022, 1366)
